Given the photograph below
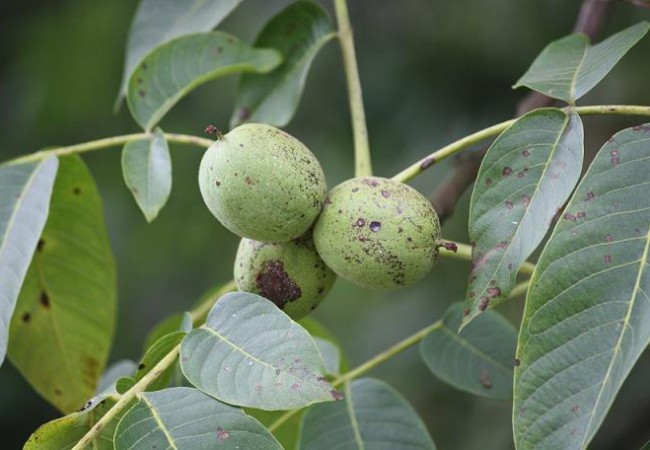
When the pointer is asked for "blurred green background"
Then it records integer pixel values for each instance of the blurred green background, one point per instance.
(432, 72)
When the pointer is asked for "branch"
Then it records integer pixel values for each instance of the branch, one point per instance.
(170, 358)
(591, 20)
(362, 164)
(110, 142)
(449, 150)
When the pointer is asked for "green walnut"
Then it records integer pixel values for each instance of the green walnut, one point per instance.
(262, 183)
(290, 274)
(378, 233)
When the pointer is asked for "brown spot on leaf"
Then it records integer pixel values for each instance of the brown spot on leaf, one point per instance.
(483, 304)
(525, 200)
(509, 204)
(249, 181)
(569, 216)
(141, 366)
(526, 153)
(517, 362)
(375, 226)
(142, 93)
(222, 435)
(494, 292)
(360, 222)
(608, 259)
(590, 196)
(76, 190)
(506, 171)
(484, 376)
(40, 246)
(44, 300)
(26, 317)
(609, 238)
(336, 395)
(488, 181)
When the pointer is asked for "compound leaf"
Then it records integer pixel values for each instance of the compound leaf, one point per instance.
(298, 32)
(249, 353)
(62, 330)
(186, 419)
(24, 204)
(569, 68)
(587, 316)
(147, 169)
(159, 21)
(373, 416)
(526, 176)
(172, 70)
(479, 359)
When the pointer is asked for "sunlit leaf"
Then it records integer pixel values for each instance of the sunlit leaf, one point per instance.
(298, 32)
(526, 176)
(186, 419)
(587, 317)
(569, 68)
(159, 21)
(174, 69)
(479, 359)
(65, 432)
(147, 169)
(373, 416)
(249, 353)
(63, 327)
(26, 190)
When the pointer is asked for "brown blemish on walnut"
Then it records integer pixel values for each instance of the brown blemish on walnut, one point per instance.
(275, 284)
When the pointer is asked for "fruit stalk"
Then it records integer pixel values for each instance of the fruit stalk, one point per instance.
(362, 164)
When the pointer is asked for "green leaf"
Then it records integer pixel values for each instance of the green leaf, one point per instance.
(154, 354)
(26, 190)
(331, 355)
(646, 446)
(298, 32)
(569, 68)
(62, 330)
(147, 169)
(479, 359)
(175, 322)
(186, 419)
(115, 372)
(526, 176)
(65, 432)
(159, 21)
(250, 353)
(174, 69)
(373, 416)
(587, 317)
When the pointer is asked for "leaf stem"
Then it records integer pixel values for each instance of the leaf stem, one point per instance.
(110, 142)
(127, 397)
(464, 252)
(420, 166)
(362, 163)
(197, 314)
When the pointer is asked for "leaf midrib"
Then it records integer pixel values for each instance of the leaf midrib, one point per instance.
(256, 359)
(637, 287)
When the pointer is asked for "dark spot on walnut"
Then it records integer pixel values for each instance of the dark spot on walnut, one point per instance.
(275, 284)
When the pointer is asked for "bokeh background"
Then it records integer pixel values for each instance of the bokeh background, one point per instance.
(432, 72)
